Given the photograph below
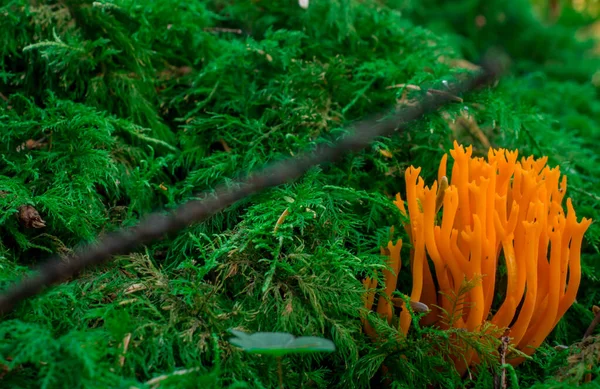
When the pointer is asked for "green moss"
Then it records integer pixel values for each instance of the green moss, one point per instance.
(138, 106)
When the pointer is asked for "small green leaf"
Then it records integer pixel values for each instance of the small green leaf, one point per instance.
(279, 343)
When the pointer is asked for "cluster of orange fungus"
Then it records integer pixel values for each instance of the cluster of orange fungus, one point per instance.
(491, 210)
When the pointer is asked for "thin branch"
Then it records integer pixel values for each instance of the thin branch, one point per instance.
(500, 381)
(158, 225)
(592, 326)
(222, 29)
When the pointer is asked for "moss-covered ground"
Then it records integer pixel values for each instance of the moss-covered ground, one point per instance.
(112, 110)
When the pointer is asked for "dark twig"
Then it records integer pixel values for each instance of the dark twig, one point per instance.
(500, 381)
(592, 326)
(222, 29)
(158, 225)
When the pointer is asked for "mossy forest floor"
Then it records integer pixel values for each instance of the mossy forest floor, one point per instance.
(111, 110)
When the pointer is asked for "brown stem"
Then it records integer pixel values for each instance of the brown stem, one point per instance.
(592, 326)
(280, 372)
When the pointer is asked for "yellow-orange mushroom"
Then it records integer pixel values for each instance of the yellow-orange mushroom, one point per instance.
(491, 209)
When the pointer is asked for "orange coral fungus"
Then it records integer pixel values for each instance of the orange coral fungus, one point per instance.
(492, 209)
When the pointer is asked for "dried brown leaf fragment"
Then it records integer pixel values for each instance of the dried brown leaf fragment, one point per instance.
(29, 217)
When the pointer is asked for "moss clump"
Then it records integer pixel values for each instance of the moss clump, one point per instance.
(111, 110)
